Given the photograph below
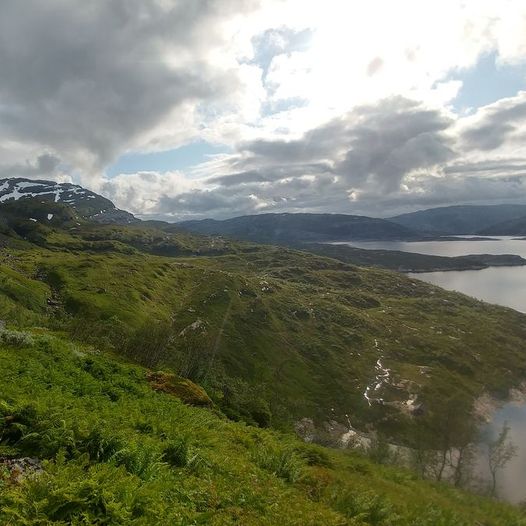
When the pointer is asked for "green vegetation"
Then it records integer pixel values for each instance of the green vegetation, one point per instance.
(158, 376)
(115, 451)
(274, 335)
(410, 261)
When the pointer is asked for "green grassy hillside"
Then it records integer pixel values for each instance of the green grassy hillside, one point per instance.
(110, 326)
(109, 449)
(275, 335)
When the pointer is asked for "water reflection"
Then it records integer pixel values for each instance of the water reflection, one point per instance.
(511, 481)
(501, 285)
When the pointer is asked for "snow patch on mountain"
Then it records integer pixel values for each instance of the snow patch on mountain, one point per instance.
(15, 189)
(87, 204)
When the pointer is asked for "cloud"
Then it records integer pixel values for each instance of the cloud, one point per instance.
(374, 144)
(141, 192)
(390, 140)
(45, 165)
(333, 106)
(377, 159)
(496, 124)
(368, 151)
(92, 79)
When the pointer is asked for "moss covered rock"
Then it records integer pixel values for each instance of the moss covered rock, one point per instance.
(189, 392)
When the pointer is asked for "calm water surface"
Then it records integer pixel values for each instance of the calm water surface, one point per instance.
(501, 285)
(511, 481)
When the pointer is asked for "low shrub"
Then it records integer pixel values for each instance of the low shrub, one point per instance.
(101, 447)
(367, 507)
(177, 452)
(16, 338)
(75, 493)
(285, 463)
(314, 455)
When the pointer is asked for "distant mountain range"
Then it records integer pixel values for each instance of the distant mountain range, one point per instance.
(288, 228)
(421, 225)
(293, 228)
(467, 219)
(512, 227)
(29, 209)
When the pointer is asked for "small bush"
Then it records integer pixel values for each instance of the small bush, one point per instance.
(177, 452)
(314, 455)
(15, 422)
(141, 460)
(101, 447)
(368, 507)
(180, 454)
(16, 338)
(48, 437)
(138, 459)
(144, 427)
(284, 463)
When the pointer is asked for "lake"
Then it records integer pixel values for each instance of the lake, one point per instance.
(511, 481)
(501, 285)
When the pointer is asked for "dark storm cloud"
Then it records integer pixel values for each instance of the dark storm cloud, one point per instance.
(390, 140)
(86, 78)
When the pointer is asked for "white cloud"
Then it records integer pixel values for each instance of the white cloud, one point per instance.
(141, 192)
(296, 89)
(377, 159)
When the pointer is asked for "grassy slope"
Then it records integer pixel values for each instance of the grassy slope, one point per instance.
(303, 330)
(120, 453)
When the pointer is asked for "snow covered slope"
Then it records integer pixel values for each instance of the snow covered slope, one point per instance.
(86, 203)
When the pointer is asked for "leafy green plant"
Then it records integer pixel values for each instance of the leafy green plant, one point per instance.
(367, 507)
(314, 455)
(101, 447)
(142, 460)
(284, 462)
(177, 452)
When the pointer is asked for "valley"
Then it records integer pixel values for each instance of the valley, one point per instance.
(274, 335)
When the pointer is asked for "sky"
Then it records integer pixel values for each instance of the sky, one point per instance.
(185, 109)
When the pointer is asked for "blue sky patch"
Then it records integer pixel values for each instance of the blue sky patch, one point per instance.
(487, 82)
(170, 160)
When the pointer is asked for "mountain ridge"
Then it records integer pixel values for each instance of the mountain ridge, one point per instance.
(304, 227)
(89, 205)
(459, 219)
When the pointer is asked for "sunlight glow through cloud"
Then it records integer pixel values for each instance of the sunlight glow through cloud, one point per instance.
(261, 84)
